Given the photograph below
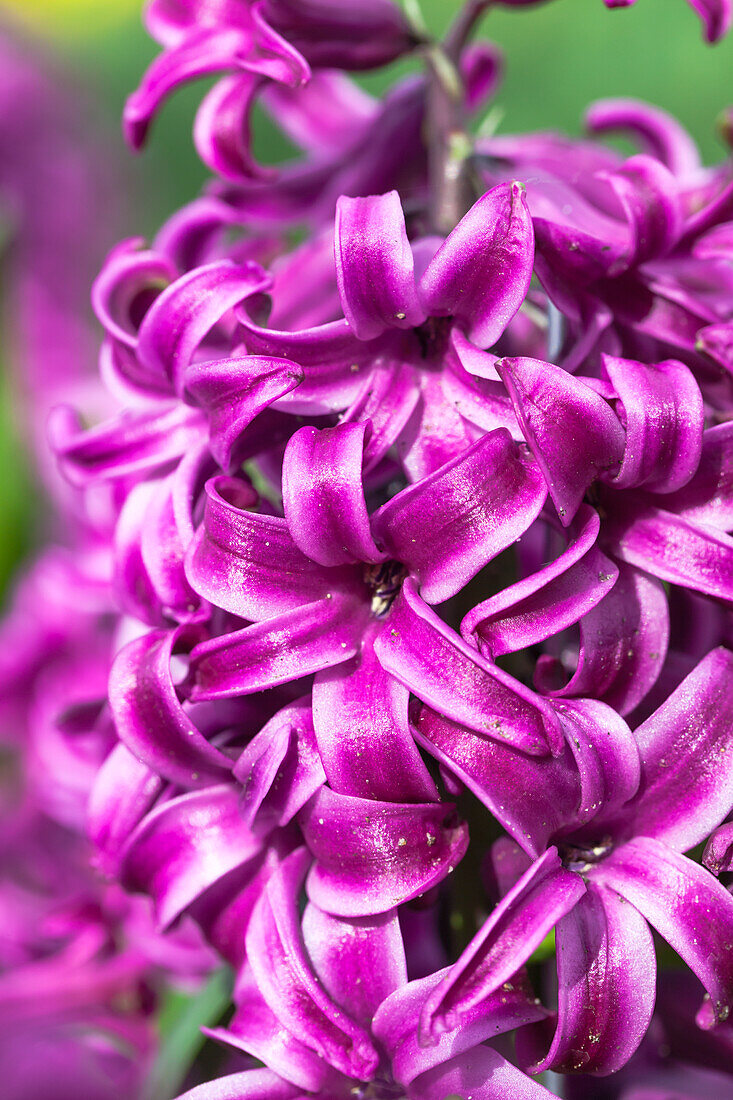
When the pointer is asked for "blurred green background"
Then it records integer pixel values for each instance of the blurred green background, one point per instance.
(559, 57)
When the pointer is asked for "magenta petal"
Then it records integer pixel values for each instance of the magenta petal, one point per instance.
(481, 274)
(686, 765)
(166, 531)
(361, 724)
(150, 720)
(648, 194)
(518, 925)
(325, 116)
(251, 1084)
(481, 1074)
(374, 266)
(294, 644)
(254, 1028)
(716, 15)
(447, 526)
(188, 309)
(248, 44)
(707, 499)
(331, 357)
(592, 440)
(323, 495)
(606, 969)
(395, 1024)
(686, 905)
(124, 791)
(664, 420)
(280, 769)
(387, 398)
(624, 641)
(360, 961)
(247, 563)
(221, 131)
(693, 556)
(186, 845)
(533, 797)
(372, 856)
(434, 663)
(131, 443)
(276, 953)
(660, 133)
(717, 342)
(233, 392)
(129, 275)
(718, 854)
(549, 600)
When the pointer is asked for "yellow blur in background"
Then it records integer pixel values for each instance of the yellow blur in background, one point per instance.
(59, 17)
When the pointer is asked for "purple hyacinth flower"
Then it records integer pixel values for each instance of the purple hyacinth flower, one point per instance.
(396, 358)
(609, 872)
(329, 583)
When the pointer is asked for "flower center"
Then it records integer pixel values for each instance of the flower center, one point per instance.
(581, 858)
(385, 581)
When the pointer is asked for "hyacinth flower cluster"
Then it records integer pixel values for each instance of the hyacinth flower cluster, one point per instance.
(392, 665)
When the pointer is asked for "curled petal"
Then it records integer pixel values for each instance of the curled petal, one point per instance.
(481, 1074)
(326, 116)
(549, 600)
(686, 905)
(648, 194)
(130, 278)
(606, 970)
(533, 797)
(664, 420)
(330, 35)
(323, 495)
(716, 15)
(372, 856)
(288, 647)
(255, 1029)
(624, 641)
(221, 132)
(691, 555)
(387, 398)
(591, 443)
(518, 925)
(150, 719)
(661, 134)
(333, 363)
(249, 44)
(186, 845)
(686, 751)
(447, 526)
(360, 961)
(124, 791)
(252, 1084)
(374, 266)
(233, 392)
(395, 1024)
(481, 274)
(247, 563)
(180, 317)
(718, 854)
(279, 769)
(435, 664)
(284, 976)
(361, 724)
(717, 342)
(132, 443)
